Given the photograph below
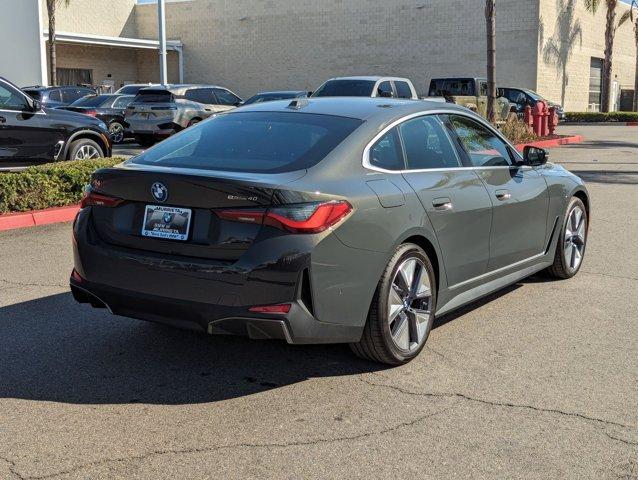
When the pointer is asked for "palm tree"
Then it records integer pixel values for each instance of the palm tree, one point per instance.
(558, 49)
(51, 8)
(490, 23)
(629, 14)
(610, 33)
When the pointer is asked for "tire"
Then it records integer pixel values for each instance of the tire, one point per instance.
(116, 129)
(383, 339)
(572, 241)
(85, 149)
(145, 141)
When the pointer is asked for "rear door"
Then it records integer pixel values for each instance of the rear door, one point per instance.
(453, 196)
(518, 193)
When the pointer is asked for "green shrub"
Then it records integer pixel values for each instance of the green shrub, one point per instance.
(49, 185)
(517, 132)
(586, 117)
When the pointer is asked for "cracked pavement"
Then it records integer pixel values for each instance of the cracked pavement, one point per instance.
(537, 381)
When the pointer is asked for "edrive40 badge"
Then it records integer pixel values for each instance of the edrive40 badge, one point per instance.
(159, 192)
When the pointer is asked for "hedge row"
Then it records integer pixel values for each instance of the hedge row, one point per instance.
(49, 185)
(601, 117)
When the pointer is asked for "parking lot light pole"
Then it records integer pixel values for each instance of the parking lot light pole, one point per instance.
(162, 40)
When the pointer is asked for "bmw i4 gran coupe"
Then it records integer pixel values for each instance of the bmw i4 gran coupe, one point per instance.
(352, 220)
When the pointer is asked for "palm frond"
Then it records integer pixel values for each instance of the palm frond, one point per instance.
(592, 5)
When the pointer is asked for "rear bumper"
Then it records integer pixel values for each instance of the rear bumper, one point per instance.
(206, 295)
(156, 127)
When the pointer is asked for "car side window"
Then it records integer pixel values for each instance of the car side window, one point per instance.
(55, 96)
(224, 97)
(385, 90)
(483, 147)
(12, 100)
(122, 102)
(386, 152)
(403, 89)
(427, 145)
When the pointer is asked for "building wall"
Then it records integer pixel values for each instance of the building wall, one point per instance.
(113, 18)
(123, 64)
(297, 44)
(21, 43)
(564, 55)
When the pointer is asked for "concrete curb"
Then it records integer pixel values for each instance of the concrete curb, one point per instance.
(600, 124)
(552, 143)
(11, 221)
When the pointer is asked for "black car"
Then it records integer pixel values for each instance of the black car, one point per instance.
(279, 95)
(521, 97)
(109, 108)
(52, 97)
(134, 88)
(32, 133)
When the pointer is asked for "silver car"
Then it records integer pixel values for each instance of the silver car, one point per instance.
(159, 112)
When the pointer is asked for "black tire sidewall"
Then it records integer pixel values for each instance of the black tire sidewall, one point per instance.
(403, 253)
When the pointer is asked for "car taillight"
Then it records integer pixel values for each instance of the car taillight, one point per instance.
(296, 218)
(92, 113)
(91, 199)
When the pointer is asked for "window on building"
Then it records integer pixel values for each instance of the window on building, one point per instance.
(403, 89)
(595, 84)
(74, 76)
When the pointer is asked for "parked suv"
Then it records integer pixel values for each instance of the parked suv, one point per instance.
(134, 88)
(521, 97)
(159, 112)
(108, 107)
(470, 93)
(52, 97)
(389, 87)
(30, 132)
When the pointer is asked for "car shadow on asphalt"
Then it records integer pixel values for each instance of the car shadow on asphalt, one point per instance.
(54, 349)
(619, 177)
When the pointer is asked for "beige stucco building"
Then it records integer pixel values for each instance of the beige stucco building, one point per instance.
(552, 46)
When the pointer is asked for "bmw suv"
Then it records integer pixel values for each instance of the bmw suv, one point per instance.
(31, 133)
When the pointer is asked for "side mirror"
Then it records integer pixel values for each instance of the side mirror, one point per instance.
(310, 94)
(36, 106)
(239, 104)
(384, 93)
(534, 156)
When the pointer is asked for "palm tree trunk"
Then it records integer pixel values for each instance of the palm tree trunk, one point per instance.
(609, 49)
(490, 22)
(51, 4)
(636, 73)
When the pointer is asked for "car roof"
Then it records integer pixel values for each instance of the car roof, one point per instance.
(275, 92)
(41, 88)
(371, 78)
(181, 88)
(362, 108)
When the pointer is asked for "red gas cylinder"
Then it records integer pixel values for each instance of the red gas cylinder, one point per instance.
(537, 114)
(553, 120)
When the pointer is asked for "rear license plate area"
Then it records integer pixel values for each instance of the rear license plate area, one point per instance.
(169, 223)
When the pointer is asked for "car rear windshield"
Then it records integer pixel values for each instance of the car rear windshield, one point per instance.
(256, 142)
(153, 96)
(91, 101)
(269, 97)
(453, 86)
(345, 88)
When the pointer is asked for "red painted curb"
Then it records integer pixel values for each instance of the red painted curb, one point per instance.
(632, 124)
(11, 221)
(551, 143)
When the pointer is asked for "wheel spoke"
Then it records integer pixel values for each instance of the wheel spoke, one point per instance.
(401, 332)
(395, 304)
(406, 275)
(420, 323)
(569, 248)
(422, 286)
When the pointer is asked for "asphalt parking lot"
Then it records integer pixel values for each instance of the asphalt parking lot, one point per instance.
(538, 381)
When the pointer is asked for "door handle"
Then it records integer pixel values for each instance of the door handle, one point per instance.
(442, 203)
(503, 195)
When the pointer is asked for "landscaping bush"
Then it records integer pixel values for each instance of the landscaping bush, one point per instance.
(517, 132)
(49, 185)
(601, 117)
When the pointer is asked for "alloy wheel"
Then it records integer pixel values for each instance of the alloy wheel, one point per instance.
(575, 235)
(87, 152)
(117, 132)
(409, 305)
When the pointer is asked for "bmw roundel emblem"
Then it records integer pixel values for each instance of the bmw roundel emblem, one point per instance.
(168, 218)
(159, 191)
